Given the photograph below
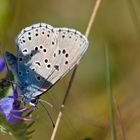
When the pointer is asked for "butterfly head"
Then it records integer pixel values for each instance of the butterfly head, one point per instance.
(32, 101)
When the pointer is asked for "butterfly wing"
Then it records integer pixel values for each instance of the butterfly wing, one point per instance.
(45, 54)
(72, 46)
(36, 53)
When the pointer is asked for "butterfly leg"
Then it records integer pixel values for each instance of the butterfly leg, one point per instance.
(27, 117)
(22, 118)
(23, 110)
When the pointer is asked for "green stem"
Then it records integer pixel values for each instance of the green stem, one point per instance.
(134, 16)
(109, 91)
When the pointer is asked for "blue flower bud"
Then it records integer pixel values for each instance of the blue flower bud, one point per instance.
(2, 64)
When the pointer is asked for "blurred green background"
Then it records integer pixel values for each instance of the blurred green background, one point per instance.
(86, 114)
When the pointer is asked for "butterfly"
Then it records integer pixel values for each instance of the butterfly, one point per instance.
(45, 54)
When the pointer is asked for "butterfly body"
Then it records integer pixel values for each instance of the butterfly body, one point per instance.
(44, 55)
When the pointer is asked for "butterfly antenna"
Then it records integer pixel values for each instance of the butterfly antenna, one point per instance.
(47, 113)
(46, 102)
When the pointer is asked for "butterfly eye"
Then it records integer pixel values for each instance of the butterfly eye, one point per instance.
(34, 101)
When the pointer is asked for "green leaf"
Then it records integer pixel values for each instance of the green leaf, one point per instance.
(20, 130)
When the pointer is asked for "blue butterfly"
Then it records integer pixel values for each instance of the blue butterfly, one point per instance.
(44, 55)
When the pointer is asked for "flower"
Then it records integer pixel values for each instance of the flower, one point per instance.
(9, 105)
(10, 108)
(2, 64)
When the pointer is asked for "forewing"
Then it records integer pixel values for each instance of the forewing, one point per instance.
(36, 53)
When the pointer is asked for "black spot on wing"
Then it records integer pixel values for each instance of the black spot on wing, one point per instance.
(56, 67)
(38, 63)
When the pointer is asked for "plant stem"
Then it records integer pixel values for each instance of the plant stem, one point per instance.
(134, 16)
(109, 91)
(63, 104)
(96, 7)
(118, 112)
(92, 18)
